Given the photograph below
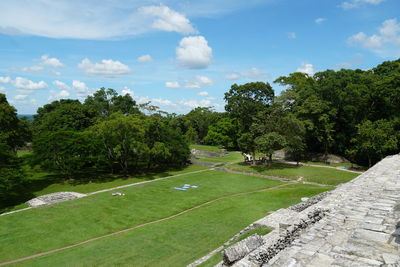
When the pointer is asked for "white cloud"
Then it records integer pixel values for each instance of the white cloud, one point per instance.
(23, 83)
(204, 93)
(51, 61)
(306, 68)
(32, 69)
(172, 84)
(20, 97)
(5, 79)
(104, 19)
(320, 20)
(385, 43)
(144, 58)
(82, 89)
(358, 3)
(127, 91)
(105, 68)
(55, 73)
(252, 73)
(2, 88)
(55, 95)
(163, 102)
(61, 85)
(292, 35)
(194, 53)
(198, 82)
(168, 20)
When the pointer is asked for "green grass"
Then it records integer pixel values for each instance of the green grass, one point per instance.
(45, 228)
(175, 242)
(206, 148)
(310, 174)
(231, 157)
(341, 164)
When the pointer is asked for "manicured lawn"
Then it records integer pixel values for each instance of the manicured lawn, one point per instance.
(175, 242)
(231, 157)
(206, 148)
(310, 174)
(46, 228)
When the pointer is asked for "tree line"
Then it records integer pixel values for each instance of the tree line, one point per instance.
(353, 113)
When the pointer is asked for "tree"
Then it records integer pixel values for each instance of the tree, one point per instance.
(200, 120)
(13, 131)
(105, 102)
(12, 177)
(247, 144)
(122, 138)
(268, 143)
(244, 102)
(223, 133)
(65, 115)
(375, 139)
(68, 152)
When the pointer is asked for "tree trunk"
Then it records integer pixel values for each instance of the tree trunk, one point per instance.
(270, 161)
(254, 158)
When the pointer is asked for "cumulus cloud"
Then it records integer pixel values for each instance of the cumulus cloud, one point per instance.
(252, 73)
(168, 20)
(204, 93)
(320, 20)
(292, 35)
(61, 85)
(358, 3)
(82, 89)
(127, 91)
(105, 68)
(23, 83)
(20, 97)
(5, 79)
(194, 53)
(144, 58)
(172, 84)
(307, 68)
(2, 88)
(35, 68)
(198, 82)
(55, 95)
(51, 61)
(386, 42)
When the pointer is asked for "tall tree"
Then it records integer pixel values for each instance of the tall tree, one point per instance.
(244, 102)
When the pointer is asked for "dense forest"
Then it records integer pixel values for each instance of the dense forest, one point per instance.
(353, 113)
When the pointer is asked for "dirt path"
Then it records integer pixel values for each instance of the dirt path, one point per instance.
(140, 225)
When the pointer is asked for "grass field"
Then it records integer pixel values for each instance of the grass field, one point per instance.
(206, 148)
(193, 222)
(174, 242)
(310, 174)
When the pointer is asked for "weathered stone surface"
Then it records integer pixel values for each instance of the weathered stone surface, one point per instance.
(53, 198)
(360, 229)
(241, 249)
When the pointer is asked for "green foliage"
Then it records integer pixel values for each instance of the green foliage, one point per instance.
(244, 102)
(105, 102)
(14, 132)
(12, 178)
(223, 133)
(374, 139)
(64, 151)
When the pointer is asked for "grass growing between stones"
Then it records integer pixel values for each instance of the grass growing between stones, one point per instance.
(66, 223)
(180, 240)
(310, 174)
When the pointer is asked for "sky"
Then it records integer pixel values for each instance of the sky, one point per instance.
(182, 54)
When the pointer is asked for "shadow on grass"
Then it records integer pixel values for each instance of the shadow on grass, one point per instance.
(262, 167)
(38, 180)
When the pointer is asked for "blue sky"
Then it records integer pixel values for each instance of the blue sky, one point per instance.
(182, 54)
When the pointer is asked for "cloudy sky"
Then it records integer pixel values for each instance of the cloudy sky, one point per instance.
(180, 54)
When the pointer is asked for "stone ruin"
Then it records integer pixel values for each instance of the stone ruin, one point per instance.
(357, 224)
(53, 198)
